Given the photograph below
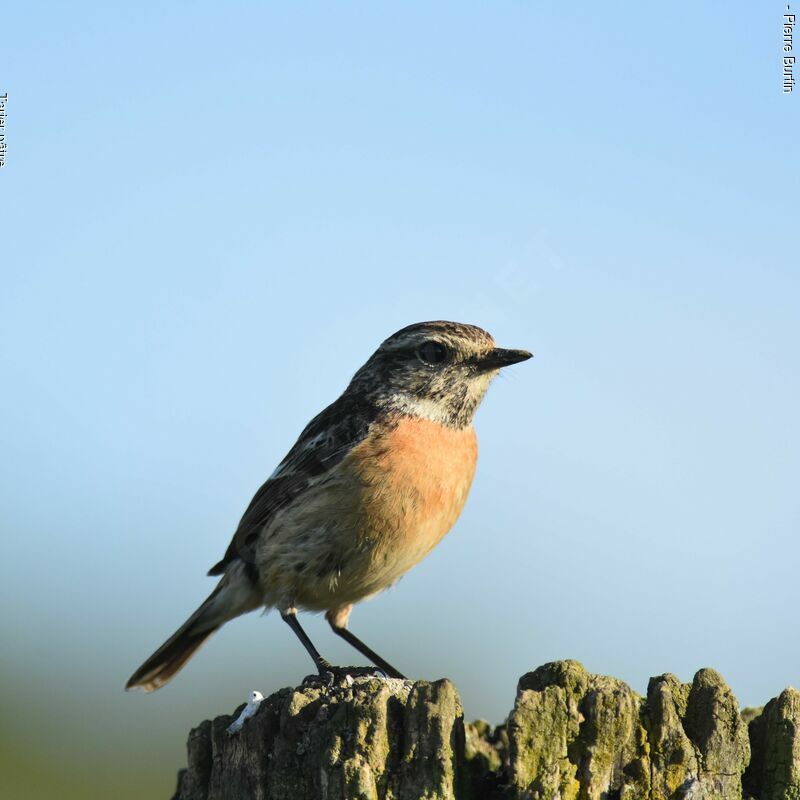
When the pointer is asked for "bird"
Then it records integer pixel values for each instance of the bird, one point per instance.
(372, 485)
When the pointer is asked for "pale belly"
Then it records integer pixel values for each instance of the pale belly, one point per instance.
(373, 517)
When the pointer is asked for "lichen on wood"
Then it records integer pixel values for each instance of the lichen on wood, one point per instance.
(774, 771)
(571, 735)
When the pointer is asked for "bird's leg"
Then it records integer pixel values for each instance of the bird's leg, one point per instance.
(352, 639)
(289, 616)
(337, 619)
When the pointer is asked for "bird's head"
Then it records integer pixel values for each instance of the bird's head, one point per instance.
(435, 370)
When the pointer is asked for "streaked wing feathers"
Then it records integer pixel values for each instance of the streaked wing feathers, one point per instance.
(323, 444)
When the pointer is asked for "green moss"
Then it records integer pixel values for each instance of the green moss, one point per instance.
(571, 735)
(774, 772)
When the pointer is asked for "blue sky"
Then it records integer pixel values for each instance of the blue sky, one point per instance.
(211, 217)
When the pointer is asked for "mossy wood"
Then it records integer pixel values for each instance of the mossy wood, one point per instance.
(570, 736)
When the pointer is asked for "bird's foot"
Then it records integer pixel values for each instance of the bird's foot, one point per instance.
(330, 675)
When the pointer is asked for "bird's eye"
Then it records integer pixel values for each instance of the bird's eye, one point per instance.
(432, 353)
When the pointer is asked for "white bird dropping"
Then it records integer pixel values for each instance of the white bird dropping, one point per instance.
(248, 711)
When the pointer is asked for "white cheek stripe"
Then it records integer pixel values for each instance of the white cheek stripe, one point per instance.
(422, 407)
(438, 411)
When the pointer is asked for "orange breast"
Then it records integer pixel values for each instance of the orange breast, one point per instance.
(414, 478)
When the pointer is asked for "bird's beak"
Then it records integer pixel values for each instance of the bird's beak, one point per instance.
(498, 358)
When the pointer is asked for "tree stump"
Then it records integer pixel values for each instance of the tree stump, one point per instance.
(570, 736)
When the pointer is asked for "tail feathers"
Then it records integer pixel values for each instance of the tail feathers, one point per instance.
(168, 659)
(235, 594)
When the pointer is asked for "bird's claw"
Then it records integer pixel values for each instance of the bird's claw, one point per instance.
(328, 676)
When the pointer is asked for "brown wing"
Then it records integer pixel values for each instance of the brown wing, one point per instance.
(323, 444)
(273, 495)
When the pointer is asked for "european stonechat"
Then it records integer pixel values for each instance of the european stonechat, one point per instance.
(369, 489)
